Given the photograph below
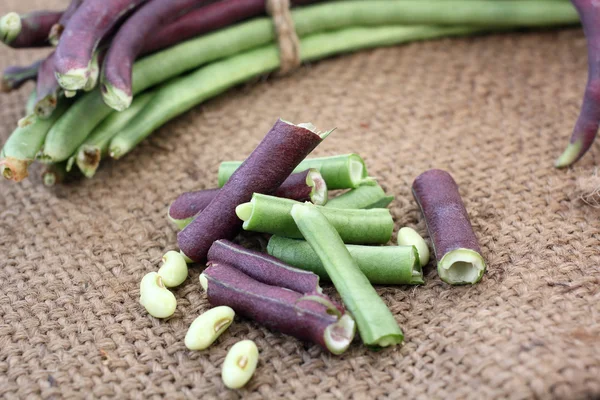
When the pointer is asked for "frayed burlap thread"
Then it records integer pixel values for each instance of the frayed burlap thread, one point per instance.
(287, 39)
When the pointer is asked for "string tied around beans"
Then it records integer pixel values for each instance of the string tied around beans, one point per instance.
(287, 38)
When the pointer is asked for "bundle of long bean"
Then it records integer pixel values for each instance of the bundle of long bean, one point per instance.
(212, 62)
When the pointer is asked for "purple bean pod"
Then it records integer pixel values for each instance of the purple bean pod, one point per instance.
(456, 248)
(278, 308)
(263, 267)
(269, 165)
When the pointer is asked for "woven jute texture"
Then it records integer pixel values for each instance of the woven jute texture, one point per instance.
(494, 111)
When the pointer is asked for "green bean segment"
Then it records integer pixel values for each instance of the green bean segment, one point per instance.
(376, 324)
(339, 172)
(368, 195)
(271, 214)
(385, 265)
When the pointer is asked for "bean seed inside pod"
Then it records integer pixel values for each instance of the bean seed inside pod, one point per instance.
(155, 297)
(208, 327)
(409, 237)
(240, 364)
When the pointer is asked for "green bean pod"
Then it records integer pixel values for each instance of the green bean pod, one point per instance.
(385, 265)
(95, 147)
(271, 214)
(339, 172)
(368, 195)
(376, 324)
(24, 144)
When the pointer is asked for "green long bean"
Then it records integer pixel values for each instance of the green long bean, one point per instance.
(24, 144)
(186, 92)
(386, 265)
(368, 195)
(376, 324)
(339, 172)
(95, 147)
(189, 55)
(271, 214)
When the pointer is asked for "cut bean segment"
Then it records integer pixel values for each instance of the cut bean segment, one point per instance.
(263, 268)
(368, 195)
(456, 248)
(301, 186)
(339, 172)
(376, 324)
(385, 265)
(278, 308)
(27, 30)
(264, 171)
(409, 237)
(208, 327)
(240, 364)
(155, 297)
(270, 214)
(174, 270)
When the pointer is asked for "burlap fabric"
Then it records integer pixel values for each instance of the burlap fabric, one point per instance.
(495, 111)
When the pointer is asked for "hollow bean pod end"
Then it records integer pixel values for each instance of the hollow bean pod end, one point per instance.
(461, 267)
(10, 27)
(13, 169)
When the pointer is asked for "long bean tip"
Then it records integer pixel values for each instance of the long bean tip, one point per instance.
(55, 33)
(572, 153)
(5, 86)
(73, 79)
(46, 106)
(10, 27)
(339, 336)
(88, 160)
(14, 169)
(26, 120)
(115, 98)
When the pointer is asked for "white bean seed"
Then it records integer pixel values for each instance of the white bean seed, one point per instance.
(240, 364)
(208, 327)
(410, 237)
(174, 270)
(155, 297)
